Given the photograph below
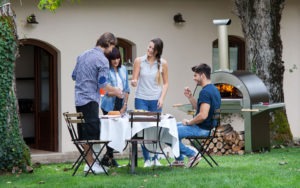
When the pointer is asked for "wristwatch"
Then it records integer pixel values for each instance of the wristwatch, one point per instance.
(187, 123)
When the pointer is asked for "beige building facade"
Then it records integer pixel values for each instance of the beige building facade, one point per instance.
(75, 27)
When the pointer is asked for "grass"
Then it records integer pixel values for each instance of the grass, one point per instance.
(250, 170)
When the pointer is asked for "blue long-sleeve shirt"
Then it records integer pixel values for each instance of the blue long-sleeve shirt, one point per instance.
(90, 74)
(108, 103)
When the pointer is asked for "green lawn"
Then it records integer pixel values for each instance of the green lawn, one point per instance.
(250, 170)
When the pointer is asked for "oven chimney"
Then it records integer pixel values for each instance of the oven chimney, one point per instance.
(223, 42)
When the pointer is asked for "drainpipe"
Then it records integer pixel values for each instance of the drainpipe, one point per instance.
(223, 42)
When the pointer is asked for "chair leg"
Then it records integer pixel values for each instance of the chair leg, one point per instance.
(207, 161)
(165, 154)
(202, 151)
(90, 166)
(97, 156)
(83, 155)
(74, 164)
(211, 158)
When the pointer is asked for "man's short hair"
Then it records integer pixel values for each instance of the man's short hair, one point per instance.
(105, 39)
(202, 68)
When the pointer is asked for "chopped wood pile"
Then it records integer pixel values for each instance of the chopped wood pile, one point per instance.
(227, 141)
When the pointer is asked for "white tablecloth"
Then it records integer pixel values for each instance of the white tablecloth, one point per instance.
(118, 130)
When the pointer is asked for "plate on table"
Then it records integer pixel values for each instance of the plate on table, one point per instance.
(110, 116)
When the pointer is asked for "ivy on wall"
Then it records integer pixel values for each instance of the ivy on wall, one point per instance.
(14, 153)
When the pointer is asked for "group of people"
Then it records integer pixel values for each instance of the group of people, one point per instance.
(101, 67)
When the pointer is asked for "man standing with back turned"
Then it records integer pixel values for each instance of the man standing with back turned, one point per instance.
(90, 74)
(209, 100)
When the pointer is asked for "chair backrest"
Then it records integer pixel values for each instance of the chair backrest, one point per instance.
(145, 117)
(71, 119)
(216, 118)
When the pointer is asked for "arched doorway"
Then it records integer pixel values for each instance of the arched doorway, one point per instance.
(126, 50)
(36, 81)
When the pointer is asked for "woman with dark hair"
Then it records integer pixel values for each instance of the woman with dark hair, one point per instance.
(147, 73)
(117, 77)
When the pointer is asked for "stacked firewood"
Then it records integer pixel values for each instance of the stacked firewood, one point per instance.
(227, 141)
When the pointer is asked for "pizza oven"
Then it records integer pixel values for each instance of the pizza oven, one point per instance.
(241, 92)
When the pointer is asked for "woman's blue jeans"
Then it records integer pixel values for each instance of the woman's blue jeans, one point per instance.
(185, 131)
(149, 105)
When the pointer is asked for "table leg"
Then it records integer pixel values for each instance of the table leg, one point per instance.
(133, 157)
(136, 154)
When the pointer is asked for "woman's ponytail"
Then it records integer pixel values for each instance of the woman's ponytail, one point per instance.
(158, 47)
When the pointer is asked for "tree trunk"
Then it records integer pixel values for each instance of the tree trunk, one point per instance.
(14, 153)
(261, 27)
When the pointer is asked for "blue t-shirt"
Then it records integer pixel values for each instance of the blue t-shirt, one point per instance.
(210, 95)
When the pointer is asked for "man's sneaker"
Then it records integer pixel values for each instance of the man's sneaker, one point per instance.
(178, 163)
(86, 168)
(147, 163)
(191, 159)
(155, 163)
(97, 169)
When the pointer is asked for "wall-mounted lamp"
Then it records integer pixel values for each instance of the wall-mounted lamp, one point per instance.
(178, 19)
(31, 19)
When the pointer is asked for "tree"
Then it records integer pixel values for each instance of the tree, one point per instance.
(14, 153)
(261, 27)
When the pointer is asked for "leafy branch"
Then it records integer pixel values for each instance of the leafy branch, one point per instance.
(51, 5)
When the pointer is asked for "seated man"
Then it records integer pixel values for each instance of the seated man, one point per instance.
(209, 100)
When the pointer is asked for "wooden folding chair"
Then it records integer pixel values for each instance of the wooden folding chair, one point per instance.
(201, 143)
(135, 139)
(76, 118)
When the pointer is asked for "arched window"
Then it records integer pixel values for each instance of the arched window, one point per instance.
(236, 53)
(125, 48)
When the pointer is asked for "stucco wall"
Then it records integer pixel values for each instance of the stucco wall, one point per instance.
(290, 29)
(75, 28)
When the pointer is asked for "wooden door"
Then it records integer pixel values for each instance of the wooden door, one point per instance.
(45, 130)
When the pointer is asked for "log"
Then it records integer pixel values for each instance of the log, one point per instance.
(219, 153)
(215, 140)
(220, 139)
(223, 150)
(233, 137)
(218, 134)
(242, 137)
(228, 137)
(241, 143)
(223, 128)
(236, 148)
(227, 131)
(219, 145)
(227, 141)
(237, 140)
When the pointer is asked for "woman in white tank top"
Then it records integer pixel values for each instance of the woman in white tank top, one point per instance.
(150, 76)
